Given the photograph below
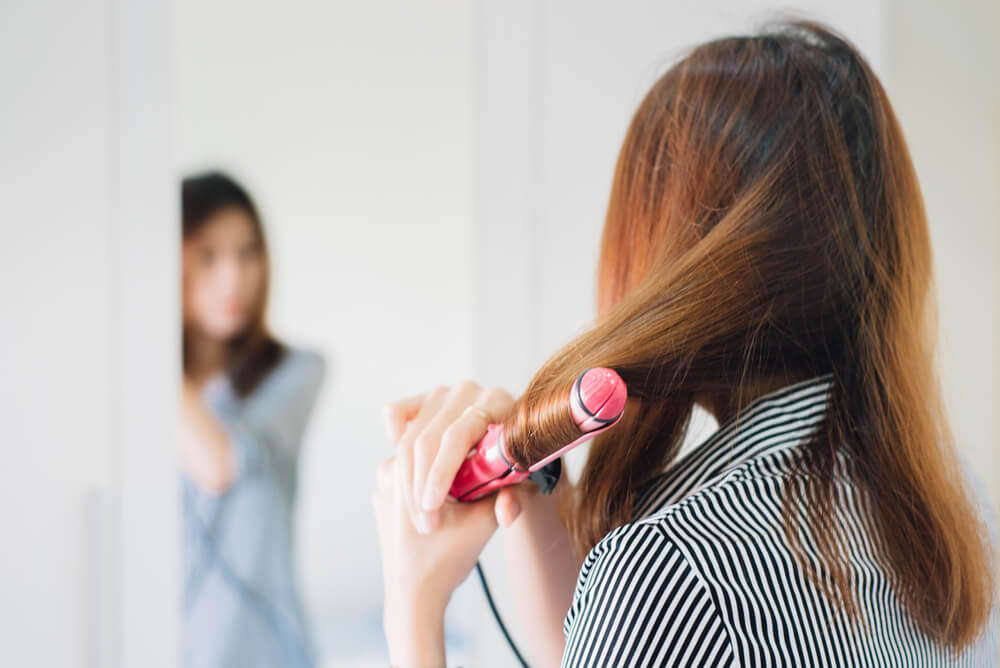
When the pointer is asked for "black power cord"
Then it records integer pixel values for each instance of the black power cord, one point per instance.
(493, 607)
(546, 479)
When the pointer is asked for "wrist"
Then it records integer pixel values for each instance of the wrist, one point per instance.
(414, 630)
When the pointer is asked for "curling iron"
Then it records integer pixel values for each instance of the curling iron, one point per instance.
(597, 401)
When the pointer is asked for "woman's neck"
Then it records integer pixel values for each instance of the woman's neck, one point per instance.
(206, 357)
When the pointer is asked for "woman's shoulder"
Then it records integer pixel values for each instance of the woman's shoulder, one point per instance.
(710, 514)
(667, 542)
(304, 360)
(612, 555)
(296, 378)
(298, 365)
(657, 529)
(635, 580)
(621, 545)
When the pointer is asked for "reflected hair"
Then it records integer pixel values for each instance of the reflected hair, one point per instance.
(766, 224)
(254, 352)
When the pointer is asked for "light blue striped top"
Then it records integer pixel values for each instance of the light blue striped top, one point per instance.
(240, 607)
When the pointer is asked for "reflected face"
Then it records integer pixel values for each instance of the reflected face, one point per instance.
(223, 274)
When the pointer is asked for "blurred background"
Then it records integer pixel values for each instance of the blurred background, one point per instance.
(432, 177)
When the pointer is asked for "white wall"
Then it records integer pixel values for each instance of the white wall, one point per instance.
(57, 309)
(87, 348)
(944, 69)
(146, 339)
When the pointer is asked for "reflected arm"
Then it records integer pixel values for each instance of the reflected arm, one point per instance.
(205, 451)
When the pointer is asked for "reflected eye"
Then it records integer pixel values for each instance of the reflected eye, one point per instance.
(206, 257)
(249, 253)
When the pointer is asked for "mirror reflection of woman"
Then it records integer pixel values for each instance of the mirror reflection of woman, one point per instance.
(246, 402)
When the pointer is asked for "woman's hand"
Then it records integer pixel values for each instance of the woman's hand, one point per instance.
(434, 432)
(430, 542)
(420, 572)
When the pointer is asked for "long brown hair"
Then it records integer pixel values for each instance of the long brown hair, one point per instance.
(253, 352)
(765, 222)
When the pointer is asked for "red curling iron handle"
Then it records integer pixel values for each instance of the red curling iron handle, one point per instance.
(597, 402)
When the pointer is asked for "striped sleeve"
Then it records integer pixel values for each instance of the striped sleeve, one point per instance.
(639, 603)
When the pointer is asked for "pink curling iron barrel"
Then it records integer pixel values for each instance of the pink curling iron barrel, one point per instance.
(597, 400)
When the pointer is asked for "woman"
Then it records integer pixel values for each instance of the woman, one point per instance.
(246, 401)
(766, 256)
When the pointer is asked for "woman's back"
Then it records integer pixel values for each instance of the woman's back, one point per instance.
(708, 575)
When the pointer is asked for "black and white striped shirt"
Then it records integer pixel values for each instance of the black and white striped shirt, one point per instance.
(706, 577)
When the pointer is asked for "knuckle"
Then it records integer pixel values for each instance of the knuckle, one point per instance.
(450, 435)
(435, 481)
(405, 444)
(383, 471)
(467, 386)
(457, 439)
(498, 393)
(422, 444)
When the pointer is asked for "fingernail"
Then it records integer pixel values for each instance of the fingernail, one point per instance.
(423, 524)
(431, 494)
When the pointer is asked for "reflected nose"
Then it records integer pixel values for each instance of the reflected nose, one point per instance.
(228, 275)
